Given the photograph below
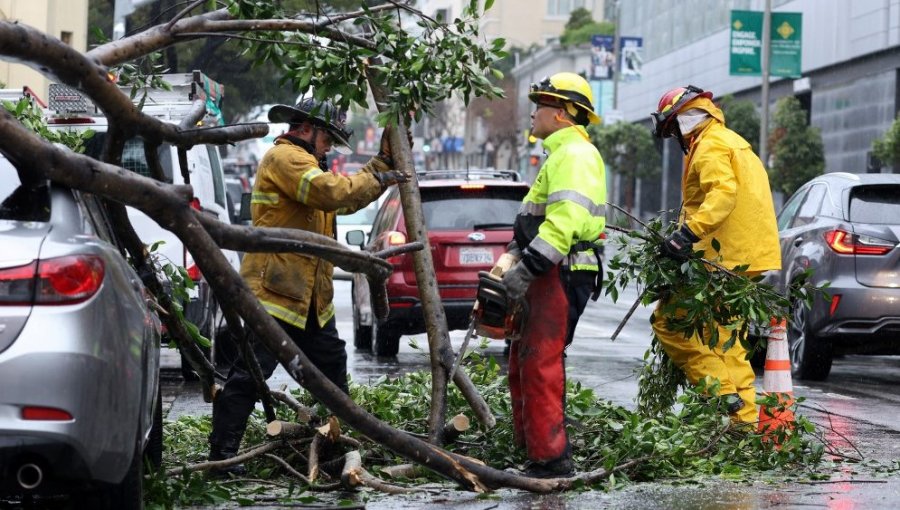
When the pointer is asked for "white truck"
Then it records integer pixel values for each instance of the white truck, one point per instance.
(70, 109)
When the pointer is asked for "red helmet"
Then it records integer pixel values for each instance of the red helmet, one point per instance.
(669, 104)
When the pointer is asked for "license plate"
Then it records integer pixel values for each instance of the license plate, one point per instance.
(473, 256)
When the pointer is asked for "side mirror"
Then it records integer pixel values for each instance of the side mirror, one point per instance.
(245, 207)
(356, 238)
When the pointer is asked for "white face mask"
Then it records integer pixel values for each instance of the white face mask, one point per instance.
(688, 120)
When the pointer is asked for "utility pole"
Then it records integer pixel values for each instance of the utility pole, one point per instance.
(617, 47)
(764, 99)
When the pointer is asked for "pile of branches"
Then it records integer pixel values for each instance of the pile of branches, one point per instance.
(305, 451)
(708, 294)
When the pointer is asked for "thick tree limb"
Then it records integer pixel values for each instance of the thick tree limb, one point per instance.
(220, 21)
(24, 44)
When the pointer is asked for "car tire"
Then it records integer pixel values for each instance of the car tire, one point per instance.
(386, 340)
(127, 494)
(811, 356)
(362, 334)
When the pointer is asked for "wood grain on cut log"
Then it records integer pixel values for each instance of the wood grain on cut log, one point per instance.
(455, 426)
(354, 474)
(286, 430)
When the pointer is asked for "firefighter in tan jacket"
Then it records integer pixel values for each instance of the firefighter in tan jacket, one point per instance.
(293, 189)
(726, 197)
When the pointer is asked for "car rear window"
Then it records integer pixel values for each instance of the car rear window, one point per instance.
(22, 202)
(133, 157)
(459, 208)
(878, 204)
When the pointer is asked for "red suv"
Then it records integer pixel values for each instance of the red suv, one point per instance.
(469, 217)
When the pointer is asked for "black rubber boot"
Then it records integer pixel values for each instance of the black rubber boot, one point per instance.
(217, 452)
(562, 467)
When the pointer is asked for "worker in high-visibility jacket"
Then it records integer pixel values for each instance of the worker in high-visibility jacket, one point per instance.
(726, 197)
(559, 268)
(294, 189)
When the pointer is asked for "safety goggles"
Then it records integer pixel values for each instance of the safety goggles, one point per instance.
(661, 120)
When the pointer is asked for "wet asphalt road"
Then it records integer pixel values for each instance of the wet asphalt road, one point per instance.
(861, 397)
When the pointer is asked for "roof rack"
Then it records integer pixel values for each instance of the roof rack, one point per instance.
(470, 174)
(172, 105)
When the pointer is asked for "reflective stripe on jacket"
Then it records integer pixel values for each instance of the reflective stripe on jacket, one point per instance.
(291, 191)
(566, 203)
(727, 197)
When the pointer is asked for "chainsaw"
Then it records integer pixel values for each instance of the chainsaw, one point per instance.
(493, 316)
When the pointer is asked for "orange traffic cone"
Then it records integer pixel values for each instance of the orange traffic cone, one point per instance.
(777, 381)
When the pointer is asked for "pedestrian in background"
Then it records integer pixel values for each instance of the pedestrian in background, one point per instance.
(558, 268)
(726, 197)
(294, 189)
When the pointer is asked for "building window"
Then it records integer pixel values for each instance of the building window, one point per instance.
(442, 15)
(66, 37)
(562, 8)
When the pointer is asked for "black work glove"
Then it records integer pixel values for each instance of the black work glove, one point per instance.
(679, 244)
(390, 177)
(516, 282)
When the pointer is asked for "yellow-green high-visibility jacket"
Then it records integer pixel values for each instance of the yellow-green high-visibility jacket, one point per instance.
(727, 198)
(566, 205)
(291, 191)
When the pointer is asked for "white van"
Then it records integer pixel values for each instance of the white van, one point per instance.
(69, 109)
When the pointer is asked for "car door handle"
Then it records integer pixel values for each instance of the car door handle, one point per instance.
(798, 241)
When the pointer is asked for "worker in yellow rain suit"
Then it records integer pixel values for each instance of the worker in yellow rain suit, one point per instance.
(726, 197)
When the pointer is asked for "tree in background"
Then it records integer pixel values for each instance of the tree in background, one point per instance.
(887, 148)
(581, 26)
(797, 151)
(628, 150)
(741, 117)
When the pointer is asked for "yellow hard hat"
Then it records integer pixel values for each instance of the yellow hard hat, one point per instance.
(569, 88)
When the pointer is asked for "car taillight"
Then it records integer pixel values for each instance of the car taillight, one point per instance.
(195, 204)
(471, 186)
(17, 284)
(395, 238)
(845, 243)
(67, 280)
(35, 413)
(58, 281)
(835, 301)
(194, 272)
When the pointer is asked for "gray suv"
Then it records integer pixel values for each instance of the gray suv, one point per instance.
(845, 228)
(79, 352)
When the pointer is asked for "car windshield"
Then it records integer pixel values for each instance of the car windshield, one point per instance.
(875, 204)
(363, 216)
(22, 203)
(463, 209)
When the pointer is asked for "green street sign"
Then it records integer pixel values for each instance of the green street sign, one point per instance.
(746, 43)
(784, 58)
(784, 49)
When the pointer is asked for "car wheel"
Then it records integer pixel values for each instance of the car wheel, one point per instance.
(127, 494)
(154, 450)
(810, 356)
(362, 334)
(387, 340)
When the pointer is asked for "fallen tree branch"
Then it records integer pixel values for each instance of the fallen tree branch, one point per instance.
(298, 475)
(221, 464)
(303, 413)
